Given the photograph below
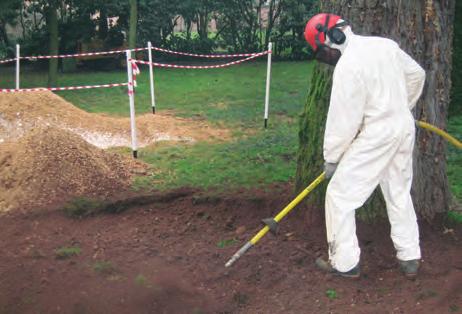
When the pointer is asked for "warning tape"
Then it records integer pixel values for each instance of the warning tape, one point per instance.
(32, 58)
(208, 56)
(99, 53)
(39, 89)
(164, 65)
(7, 61)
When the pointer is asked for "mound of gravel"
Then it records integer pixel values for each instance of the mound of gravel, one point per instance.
(48, 166)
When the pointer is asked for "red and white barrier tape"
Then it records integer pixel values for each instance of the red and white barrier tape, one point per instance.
(208, 56)
(135, 72)
(81, 54)
(7, 61)
(163, 65)
(32, 58)
(39, 89)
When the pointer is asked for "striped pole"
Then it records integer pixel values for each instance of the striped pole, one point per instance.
(18, 58)
(131, 99)
(151, 78)
(268, 81)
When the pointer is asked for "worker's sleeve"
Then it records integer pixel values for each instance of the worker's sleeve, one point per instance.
(414, 76)
(346, 111)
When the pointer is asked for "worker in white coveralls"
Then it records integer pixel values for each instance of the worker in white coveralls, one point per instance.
(369, 139)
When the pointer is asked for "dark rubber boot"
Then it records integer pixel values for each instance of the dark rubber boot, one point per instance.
(327, 267)
(409, 268)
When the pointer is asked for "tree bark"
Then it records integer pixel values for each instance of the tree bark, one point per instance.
(424, 29)
(53, 44)
(456, 91)
(133, 23)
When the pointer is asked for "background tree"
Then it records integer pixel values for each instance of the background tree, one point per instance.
(133, 24)
(238, 24)
(424, 29)
(290, 28)
(274, 11)
(51, 13)
(9, 14)
(157, 19)
(456, 91)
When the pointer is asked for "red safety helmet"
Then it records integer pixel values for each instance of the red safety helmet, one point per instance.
(318, 27)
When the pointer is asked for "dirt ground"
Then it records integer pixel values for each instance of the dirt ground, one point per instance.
(169, 256)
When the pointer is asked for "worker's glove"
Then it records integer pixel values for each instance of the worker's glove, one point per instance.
(329, 169)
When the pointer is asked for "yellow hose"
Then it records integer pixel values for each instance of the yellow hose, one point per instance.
(449, 138)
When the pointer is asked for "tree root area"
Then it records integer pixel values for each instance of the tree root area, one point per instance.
(168, 257)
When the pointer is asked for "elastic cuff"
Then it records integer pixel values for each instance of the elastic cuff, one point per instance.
(409, 254)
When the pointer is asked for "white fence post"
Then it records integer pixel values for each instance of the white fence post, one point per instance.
(268, 80)
(18, 57)
(131, 98)
(151, 78)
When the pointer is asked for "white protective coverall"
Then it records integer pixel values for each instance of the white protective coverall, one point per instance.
(370, 132)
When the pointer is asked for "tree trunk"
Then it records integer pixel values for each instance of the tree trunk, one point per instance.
(102, 24)
(133, 23)
(53, 44)
(273, 14)
(4, 35)
(456, 92)
(203, 23)
(424, 29)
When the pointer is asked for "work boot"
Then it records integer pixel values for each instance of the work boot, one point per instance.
(327, 267)
(409, 268)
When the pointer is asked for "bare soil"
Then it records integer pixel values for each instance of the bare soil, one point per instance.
(169, 256)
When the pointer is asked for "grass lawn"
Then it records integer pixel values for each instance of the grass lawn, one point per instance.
(455, 158)
(232, 98)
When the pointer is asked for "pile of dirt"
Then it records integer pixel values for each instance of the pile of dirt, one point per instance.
(50, 165)
(20, 112)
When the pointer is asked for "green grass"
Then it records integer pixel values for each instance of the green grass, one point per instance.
(260, 160)
(104, 267)
(225, 243)
(67, 252)
(454, 158)
(140, 280)
(331, 294)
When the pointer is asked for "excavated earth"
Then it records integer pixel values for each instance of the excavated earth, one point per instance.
(49, 166)
(51, 151)
(20, 112)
